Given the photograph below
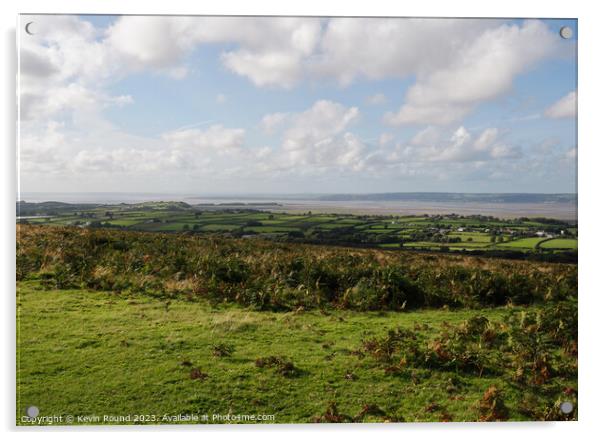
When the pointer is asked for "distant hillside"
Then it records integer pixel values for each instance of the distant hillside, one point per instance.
(25, 208)
(49, 208)
(454, 197)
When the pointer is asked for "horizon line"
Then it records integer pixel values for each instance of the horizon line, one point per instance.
(288, 194)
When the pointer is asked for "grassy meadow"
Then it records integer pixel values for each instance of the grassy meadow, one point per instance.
(88, 352)
(157, 324)
(417, 232)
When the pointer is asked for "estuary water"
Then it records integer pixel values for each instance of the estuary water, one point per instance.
(565, 210)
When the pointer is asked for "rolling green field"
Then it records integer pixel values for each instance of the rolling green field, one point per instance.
(114, 322)
(96, 353)
(452, 232)
(560, 243)
(524, 243)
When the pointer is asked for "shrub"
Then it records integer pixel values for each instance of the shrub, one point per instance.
(492, 407)
(280, 364)
(222, 350)
(268, 275)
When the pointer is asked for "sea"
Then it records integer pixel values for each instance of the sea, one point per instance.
(295, 203)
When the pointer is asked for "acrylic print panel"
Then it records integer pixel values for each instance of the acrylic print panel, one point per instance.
(296, 220)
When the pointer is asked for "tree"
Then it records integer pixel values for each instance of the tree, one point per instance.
(186, 227)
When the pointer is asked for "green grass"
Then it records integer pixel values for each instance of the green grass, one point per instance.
(269, 229)
(319, 228)
(382, 231)
(525, 243)
(333, 225)
(476, 237)
(218, 227)
(277, 222)
(314, 220)
(82, 352)
(277, 275)
(470, 245)
(349, 221)
(426, 244)
(124, 222)
(560, 243)
(164, 227)
(143, 341)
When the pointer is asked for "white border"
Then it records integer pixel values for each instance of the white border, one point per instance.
(590, 220)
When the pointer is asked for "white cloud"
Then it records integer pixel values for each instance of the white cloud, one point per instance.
(377, 48)
(427, 136)
(265, 68)
(571, 153)
(69, 98)
(377, 99)
(460, 137)
(40, 150)
(270, 122)
(482, 69)
(273, 51)
(105, 150)
(133, 160)
(36, 64)
(215, 139)
(323, 120)
(269, 51)
(317, 140)
(457, 63)
(69, 53)
(502, 151)
(429, 145)
(154, 41)
(67, 68)
(178, 72)
(385, 139)
(442, 114)
(342, 152)
(306, 150)
(487, 137)
(64, 48)
(64, 68)
(566, 107)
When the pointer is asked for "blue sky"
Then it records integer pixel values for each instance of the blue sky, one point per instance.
(289, 105)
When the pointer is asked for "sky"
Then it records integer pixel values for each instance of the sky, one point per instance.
(242, 105)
